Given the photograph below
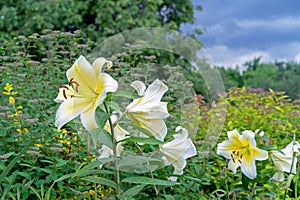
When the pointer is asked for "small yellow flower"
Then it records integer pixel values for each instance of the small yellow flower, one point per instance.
(38, 145)
(62, 130)
(21, 131)
(11, 100)
(8, 87)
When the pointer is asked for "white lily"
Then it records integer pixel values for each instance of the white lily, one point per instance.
(148, 111)
(86, 90)
(119, 134)
(177, 151)
(242, 152)
(284, 161)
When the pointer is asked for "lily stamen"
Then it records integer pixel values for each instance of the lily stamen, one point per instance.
(64, 93)
(235, 155)
(71, 82)
(63, 86)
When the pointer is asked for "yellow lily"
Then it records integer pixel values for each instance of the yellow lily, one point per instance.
(177, 151)
(242, 152)
(148, 111)
(86, 90)
(284, 161)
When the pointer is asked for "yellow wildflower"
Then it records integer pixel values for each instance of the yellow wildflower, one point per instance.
(11, 100)
(7, 88)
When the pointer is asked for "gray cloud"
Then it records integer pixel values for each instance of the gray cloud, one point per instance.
(237, 30)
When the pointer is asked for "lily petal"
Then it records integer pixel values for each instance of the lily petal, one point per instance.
(233, 166)
(248, 167)
(98, 64)
(155, 91)
(110, 84)
(156, 127)
(83, 73)
(178, 150)
(225, 149)
(139, 86)
(278, 176)
(88, 119)
(259, 154)
(69, 109)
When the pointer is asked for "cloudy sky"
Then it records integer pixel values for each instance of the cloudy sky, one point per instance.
(237, 31)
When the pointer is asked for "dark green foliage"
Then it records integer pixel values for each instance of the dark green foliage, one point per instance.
(278, 76)
(97, 19)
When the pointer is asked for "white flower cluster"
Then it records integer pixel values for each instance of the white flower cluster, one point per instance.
(87, 89)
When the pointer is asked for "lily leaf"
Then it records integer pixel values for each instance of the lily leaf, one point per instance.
(148, 181)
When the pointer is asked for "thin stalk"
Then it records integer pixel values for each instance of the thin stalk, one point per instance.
(226, 186)
(291, 169)
(114, 151)
(252, 191)
(151, 174)
(296, 184)
(95, 188)
(89, 144)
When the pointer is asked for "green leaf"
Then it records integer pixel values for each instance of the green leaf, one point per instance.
(134, 160)
(169, 197)
(142, 140)
(88, 172)
(12, 163)
(85, 170)
(97, 163)
(146, 132)
(125, 198)
(126, 94)
(148, 181)
(35, 192)
(101, 181)
(47, 196)
(115, 106)
(245, 181)
(102, 118)
(139, 164)
(133, 191)
(102, 136)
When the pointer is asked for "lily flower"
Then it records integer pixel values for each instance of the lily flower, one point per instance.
(148, 111)
(242, 152)
(86, 90)
(119, 134)
(284, 160)
(177, 151)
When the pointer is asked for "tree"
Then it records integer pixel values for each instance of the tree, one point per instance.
(97, 19)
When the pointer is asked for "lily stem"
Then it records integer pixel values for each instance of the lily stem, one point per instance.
(291, 170)
(114, 151)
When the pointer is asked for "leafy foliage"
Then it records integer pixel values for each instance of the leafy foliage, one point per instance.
(96, 19)
(61, 165)
(279, 76)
